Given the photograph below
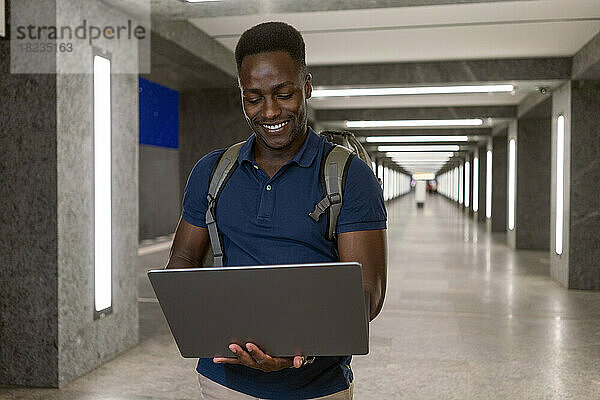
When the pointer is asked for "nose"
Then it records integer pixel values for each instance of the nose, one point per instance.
(271, 109)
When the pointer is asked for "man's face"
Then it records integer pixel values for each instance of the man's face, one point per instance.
(274, 93)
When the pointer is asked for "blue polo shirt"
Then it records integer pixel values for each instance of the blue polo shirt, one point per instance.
(265, 221)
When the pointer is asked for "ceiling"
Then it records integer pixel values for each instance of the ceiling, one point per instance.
(444, 32)
(406, 34)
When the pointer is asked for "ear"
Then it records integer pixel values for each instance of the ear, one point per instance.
(308, 86)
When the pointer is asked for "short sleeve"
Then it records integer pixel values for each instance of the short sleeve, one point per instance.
(363, 207)
(194, 197)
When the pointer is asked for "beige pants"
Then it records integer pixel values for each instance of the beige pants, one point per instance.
(210, 390)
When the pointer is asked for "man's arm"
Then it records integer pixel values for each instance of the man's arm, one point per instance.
(370, 249)
(189, 247)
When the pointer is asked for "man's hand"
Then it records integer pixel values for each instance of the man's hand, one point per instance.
(254, 357)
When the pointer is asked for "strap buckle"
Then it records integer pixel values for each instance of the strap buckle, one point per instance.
(324, 204)
(210, 212)
(335, 198)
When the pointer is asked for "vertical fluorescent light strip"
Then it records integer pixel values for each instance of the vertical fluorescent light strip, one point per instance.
(461, 190)
(488, 185)
(102, 184)
(560, 154)
(457, 183)
(386, 184)
(451, 187)
(467, 183)
(511, 184)
(476, 184)
(443, 182)
(449, 183)
(453, 177)
(2, 19)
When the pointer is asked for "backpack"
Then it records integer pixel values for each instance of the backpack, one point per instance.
(349, 141)
(333, 171)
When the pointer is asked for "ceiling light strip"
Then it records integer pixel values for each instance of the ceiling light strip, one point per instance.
(415, 139)
(452, 147)
(402, 91)
(411, 123)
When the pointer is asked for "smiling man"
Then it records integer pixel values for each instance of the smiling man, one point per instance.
(263, 216)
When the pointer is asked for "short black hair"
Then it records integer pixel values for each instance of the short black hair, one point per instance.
(271, 36)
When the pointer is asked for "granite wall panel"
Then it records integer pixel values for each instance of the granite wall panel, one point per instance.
(482, 182)
(160, 205)
(559, 264)
(469, 182)
(533, 178)
(84, 343)
(499, 175)
(584, 223)
(208, 120)
(511, 234)
(28, 225)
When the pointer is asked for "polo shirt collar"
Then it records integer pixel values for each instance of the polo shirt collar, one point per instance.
(309, 149)
(304, 158)
(246, 151)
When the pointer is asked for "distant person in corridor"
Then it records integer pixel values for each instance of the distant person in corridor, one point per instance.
(262, 214)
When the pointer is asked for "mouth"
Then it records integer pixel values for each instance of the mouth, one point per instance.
(275, 128)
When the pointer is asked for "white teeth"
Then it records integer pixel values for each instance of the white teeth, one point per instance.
(275, 127)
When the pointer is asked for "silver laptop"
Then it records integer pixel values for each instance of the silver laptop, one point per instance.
(287, 310)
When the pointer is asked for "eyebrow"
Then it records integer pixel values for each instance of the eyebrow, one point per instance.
(276, 87)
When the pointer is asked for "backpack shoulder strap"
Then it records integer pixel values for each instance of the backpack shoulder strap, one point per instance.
(333, 176)
(221, 174)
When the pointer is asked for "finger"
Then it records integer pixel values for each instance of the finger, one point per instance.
(283, 362)
(267, 362)
(298, 361)
(258, 355)
(226, 360)
(243, 357)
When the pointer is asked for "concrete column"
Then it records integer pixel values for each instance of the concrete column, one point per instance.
(533, 178)
(511, 185)
(489, 181)
(28, 226)
(48, 331)
(577, 267)
(469, 208)
(482, 150)
(466, 181)
(474, 188)
(499, 183)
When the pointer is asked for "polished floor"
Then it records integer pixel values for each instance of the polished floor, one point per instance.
(465, 317)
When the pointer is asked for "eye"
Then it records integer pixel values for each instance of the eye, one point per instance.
(253, 100)
(285, 96)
